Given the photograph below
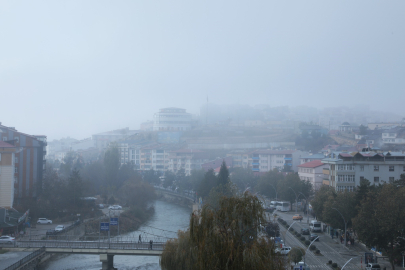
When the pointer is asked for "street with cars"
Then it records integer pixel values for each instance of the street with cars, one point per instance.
(331, 249)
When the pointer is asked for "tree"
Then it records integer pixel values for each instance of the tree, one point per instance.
(296, 254)
(321, 196)
(223, 239)
(223, 176)
(74, 189)
(267, 184)
(209, 181)
(111, 165)
(243, 178)
(151, 177)
(363, 130)
(345, 203)
(380, 220)
(272, 229)
(169, 179)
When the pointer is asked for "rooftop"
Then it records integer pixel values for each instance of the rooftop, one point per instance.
(312, 164)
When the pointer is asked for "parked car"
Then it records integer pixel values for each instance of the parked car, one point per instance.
(100, 206)
(313, 236)
(59, 228)
(283, 250)
(6, 239)
(297, 217)
(115, 207)
(270, 209)
(372, 266)
(44, 221)
(305, 231)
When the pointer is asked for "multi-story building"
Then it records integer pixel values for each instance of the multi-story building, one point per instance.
(29, 160)
(309, 158)
(102, 140)
(7, 159)
(394, 136)
(187, 160)
(172, 119)
(313, 172)
(346, 170)
(267, 160)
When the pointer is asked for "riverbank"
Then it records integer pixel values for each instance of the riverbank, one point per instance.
(130, 220)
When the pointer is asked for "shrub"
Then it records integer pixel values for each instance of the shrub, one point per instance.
(302, 238)
(330, 262)
(307, 242)
(318, 251)
(298, 234)
(313, 247)
(334, 265)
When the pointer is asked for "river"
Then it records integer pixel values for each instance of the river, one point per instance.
(168, 216)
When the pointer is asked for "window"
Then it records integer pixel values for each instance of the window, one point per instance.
(16, 160)
(15, 169)
(362, 168)
(4, 139)
(391, 179)
(376, 168)
(376, 179)
(361, 178)
(391, 168)
(17, 139)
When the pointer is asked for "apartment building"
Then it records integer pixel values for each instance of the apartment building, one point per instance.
(7, 159)
(309, 158)
(172, 119)
(187, 160)
(312, 171)
(347, 170)
(102, 140)
(29, 160)
(394, 136)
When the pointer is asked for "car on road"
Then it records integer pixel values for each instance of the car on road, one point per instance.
(44, 221)
(100, 206)
(270, 209)
(372, 266)
(297, 217)
(283, 250)
(115, 207)
(51, 232)
(313, 236)
(59, 228)
(305, 231)
(6, 239)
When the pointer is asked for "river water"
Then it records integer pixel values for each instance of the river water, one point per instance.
(169, 217)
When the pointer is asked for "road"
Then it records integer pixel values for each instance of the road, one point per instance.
(330, 249)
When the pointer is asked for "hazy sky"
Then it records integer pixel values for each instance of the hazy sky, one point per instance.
(73, 68)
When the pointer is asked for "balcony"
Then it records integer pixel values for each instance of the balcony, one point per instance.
(255, 169)
(255, 158)
(325, 171)
(287, 158)
(255, 163)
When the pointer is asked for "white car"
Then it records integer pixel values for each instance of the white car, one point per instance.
(115, 207)
(59, 228)
(44, 221)
(283, 250)
(6, 239)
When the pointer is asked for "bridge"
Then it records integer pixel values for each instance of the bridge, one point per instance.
(183, 195)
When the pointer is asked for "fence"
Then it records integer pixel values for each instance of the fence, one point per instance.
(101, 244)
(26, 259)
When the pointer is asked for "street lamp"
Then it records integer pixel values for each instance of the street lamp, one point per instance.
(274, 190)
(349, 261)
(344, 220)
(288, 230)
(296, 199)
(305, 256)
(306, 205)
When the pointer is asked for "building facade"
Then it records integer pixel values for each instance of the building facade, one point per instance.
(7, 159)
(267, 160)
(313, 172)
(346, 171)
(29, 161)
(172, 119)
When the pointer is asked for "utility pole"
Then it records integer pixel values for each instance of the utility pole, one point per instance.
(344, 220)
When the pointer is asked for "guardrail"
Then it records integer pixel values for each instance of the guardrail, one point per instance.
(26, 259)
(182, 194)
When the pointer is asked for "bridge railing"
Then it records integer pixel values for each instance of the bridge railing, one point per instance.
(26, 259)
(105, 244)
(116, 239)
(182, 194)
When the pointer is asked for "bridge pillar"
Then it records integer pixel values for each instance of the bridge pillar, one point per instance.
(107, 262)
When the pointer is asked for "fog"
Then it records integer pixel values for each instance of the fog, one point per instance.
(75, 68)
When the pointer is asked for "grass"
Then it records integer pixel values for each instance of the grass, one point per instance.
(2, 251)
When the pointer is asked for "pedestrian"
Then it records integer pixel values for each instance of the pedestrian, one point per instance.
(332, 233)
(140, 239)
(151, 243)
(341, 239)
(337, 234)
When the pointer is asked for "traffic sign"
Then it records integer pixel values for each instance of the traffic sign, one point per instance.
(104, 226)
(300, 267)
(113, 221)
